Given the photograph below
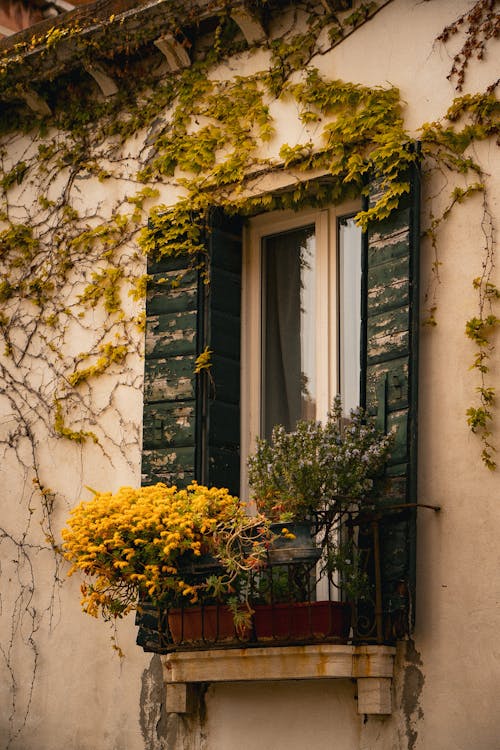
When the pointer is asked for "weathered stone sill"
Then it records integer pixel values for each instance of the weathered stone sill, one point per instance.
(371, 666)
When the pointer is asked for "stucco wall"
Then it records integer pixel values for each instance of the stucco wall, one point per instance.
(85, 697)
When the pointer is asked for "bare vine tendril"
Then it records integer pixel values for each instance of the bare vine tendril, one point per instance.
(72, 263)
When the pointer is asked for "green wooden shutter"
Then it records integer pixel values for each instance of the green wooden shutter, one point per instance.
(390, 353)
(172, 344)
(221, 388)
(191, 422)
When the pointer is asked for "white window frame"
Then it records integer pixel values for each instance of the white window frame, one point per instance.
(325, 222)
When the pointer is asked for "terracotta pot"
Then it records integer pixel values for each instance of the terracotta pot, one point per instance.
(302, 621)
(209, 624)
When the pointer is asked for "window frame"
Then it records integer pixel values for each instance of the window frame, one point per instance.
(325, 221)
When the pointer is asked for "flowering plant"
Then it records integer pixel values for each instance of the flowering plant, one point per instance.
(318, 467)
(141, 543)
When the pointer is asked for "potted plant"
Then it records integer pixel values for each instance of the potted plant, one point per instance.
(308, 482)
(318, 467)
(181, 550)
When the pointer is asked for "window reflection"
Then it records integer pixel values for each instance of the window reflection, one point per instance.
(349, 244)
(289, 328)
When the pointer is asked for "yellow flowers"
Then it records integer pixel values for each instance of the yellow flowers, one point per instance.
(135, 543)
(203, 361)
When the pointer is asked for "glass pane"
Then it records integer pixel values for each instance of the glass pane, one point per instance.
(289, 328)
(350, 311)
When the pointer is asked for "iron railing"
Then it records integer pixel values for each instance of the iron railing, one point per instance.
(298, 601)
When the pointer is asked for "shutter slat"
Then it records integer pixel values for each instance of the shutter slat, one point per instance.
(172, 465)
(170, 334)
(170, 378)
(163, 298)
(169, 423)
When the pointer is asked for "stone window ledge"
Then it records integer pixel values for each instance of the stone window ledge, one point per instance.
(371, 666)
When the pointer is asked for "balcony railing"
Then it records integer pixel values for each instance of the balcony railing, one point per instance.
(294, 601)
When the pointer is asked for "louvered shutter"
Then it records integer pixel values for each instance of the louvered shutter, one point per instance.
(390, 367)
(191, 422)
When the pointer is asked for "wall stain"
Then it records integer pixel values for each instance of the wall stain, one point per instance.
(155, 729)
(163, 731)
(413, 684)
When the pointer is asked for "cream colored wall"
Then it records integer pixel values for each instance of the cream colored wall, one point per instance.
(86, 698)
(282, 715)
(446, 681)
(458, 554)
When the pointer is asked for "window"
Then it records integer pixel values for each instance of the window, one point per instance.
(301, 316)
(192, 422)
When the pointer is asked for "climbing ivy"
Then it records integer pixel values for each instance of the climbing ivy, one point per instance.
(72, 263)
(209, 147)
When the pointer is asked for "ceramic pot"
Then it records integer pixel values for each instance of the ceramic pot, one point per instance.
(294, 543)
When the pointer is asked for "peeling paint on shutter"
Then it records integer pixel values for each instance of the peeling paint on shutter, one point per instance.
(391, 388)
(191, 422)
(169, 382)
